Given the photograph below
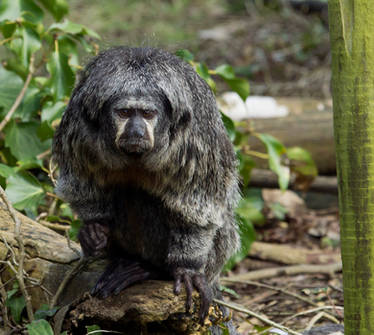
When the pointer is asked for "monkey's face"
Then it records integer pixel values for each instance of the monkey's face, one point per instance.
(135, 125)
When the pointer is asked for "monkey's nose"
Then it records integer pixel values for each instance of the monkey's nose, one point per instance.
(135, 129)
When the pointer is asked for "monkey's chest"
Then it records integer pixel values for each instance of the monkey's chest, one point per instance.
(141, 227)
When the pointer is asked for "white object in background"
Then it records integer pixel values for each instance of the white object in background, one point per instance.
(255, 107)
(278, 331)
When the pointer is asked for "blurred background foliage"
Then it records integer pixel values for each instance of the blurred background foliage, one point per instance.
(41, 50)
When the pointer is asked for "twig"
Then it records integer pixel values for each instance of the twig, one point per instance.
(313, 310)
(295, 295)
(250, 282)
(319, 316)
(20, 95)
(22, 254)
(4, 309)
(54, 226)
(238, 308)
(6, 40)
(290, 270)
(76, 251)
(52, 167)
(12, 253)
(43, 154)
(69, 276)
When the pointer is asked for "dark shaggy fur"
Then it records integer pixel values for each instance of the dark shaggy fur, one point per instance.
(172, 207)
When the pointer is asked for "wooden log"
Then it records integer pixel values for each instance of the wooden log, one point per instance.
(287, 254)
(267, 179)
(150, 307)
(147, 305)
(309, 125)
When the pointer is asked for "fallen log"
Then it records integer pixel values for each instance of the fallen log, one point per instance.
(267, 179)
(286, 254)
(149, 306)
(309, 124)
(303, 122)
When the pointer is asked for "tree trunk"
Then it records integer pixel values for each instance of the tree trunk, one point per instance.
(352, 43)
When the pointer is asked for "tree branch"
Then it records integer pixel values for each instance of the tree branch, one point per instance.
(20, 95)
(22, 254)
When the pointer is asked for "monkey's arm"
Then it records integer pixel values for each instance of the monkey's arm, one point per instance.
(187, 257)
(93, 208)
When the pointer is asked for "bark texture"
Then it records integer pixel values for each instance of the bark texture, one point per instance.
(352, 42)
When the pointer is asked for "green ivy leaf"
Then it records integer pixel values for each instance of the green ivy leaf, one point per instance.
(12, 10)
(45, 131)
(303, 162)
(246, 164)
(203, 71)
(22, 140)
(27, 41)
(230, 126)
(29, 106)
(62, 76)
(58, 8)
(65, 210)
(8, 28)
(24, 191)
(10, 86)
(185, 55)
(53, 111)
(29, 164)
(240, 86)
(251, 205)
(72, 28)
(16, 306)
(225, 71)
(68, 46)
(275, 150)
(39, 327)
(74, 230)
(6, 171)
(14, 65)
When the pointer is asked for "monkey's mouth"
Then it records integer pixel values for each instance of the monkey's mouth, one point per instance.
(134, 148)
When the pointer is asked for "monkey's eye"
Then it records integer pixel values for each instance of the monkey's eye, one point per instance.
(149, 114)
(123, 113)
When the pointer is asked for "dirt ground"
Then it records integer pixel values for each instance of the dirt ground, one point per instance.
(297, 301)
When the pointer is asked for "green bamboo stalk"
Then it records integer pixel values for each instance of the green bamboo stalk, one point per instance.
(352, 44)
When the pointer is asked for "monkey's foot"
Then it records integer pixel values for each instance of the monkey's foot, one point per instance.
(93, 237)
(119, 274)
(192, 279)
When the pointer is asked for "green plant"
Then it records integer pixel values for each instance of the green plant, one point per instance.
(38, 71)
(39, 65)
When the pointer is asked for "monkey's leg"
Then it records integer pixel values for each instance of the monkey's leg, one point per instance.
(188, 250)
(191, 280)
(120, 274)
(93, 237)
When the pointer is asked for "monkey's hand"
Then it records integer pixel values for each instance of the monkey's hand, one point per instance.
(93, 237)
(193, 279)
